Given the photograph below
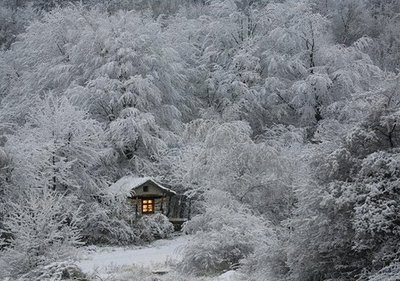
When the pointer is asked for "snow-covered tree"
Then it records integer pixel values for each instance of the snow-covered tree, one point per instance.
(351, 195)
(280, 116)
(40, 227)
(57, 147)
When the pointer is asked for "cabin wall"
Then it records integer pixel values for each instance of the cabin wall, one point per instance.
(160, 205)
(180, 207)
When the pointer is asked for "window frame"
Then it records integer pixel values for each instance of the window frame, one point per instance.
(145, 202)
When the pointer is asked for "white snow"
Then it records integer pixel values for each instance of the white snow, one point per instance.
(104, 260)
(230, 275)
(126, 184)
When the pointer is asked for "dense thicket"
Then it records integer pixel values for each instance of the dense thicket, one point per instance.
(279, 118)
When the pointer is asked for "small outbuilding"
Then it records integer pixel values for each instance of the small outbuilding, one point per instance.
(146, 195)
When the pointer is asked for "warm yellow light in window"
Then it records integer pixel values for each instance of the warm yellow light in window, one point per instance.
(147, 206)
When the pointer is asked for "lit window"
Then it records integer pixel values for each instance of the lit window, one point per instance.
(147, 206)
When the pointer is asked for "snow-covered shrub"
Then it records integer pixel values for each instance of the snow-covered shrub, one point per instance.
(107, 224)
(157, 226)
(222, 238)
(41, 227)
(56, 271)
(216, 251)
(388, 273)
(269, 261)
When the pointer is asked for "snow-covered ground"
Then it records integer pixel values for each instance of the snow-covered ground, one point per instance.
(111, 263)
(102, 261)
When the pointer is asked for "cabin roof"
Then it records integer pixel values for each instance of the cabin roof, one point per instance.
(128, 183)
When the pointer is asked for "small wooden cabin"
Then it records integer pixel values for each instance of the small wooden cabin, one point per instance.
(146, 195)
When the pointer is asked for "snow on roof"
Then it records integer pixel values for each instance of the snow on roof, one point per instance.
(126, 184)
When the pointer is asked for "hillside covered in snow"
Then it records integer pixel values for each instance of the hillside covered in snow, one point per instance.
(269, 130)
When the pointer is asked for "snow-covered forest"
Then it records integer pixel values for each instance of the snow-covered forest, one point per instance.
(276, 118)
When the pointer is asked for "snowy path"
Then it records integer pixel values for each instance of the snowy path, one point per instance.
(103, 260)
